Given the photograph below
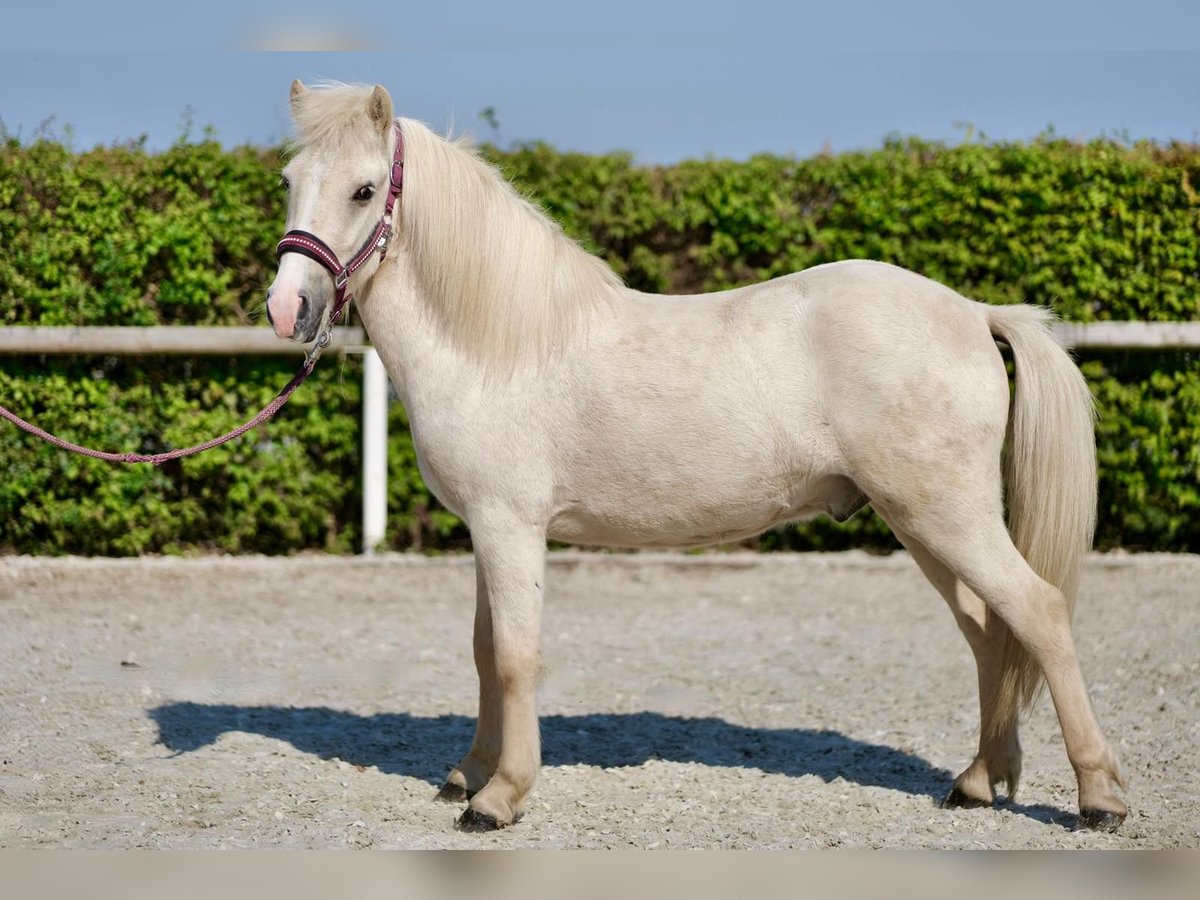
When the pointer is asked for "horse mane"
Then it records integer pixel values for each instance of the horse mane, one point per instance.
(506, 281)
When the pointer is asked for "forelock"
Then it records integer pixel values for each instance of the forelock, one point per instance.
(330, 112)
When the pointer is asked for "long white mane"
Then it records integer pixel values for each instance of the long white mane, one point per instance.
(508, 284)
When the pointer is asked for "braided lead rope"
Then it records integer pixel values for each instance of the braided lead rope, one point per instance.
(157, 459)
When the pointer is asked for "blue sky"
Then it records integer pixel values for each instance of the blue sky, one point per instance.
(664, 81)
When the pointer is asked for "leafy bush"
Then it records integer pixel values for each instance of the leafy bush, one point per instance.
(119, 236)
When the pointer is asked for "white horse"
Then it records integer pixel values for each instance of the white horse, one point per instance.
(547, 400)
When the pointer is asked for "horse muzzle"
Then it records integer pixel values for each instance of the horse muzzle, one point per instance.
(296, 302)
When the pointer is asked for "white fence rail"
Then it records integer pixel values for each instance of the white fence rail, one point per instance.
(255, 341)
(185, 340)
(191, 340)
(1131, 335)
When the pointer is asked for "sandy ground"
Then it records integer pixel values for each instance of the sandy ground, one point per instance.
(712, 701)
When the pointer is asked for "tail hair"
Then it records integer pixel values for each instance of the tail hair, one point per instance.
(1050, 478)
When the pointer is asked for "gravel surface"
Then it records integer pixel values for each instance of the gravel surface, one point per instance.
(724, 700)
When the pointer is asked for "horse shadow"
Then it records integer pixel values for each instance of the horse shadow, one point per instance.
(425, 747)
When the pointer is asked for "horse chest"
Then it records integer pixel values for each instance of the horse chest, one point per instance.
(472, 450)
(439, 463)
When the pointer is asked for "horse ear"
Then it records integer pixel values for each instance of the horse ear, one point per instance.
(298, 92)
(379, 109)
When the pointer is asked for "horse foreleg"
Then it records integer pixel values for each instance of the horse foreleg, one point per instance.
(473, 771)
(510, 557)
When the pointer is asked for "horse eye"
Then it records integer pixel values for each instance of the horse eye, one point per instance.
(284, 183)
(366, 192)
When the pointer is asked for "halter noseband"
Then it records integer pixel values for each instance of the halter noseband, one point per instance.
(308, 244)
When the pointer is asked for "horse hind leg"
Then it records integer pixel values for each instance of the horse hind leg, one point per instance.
(973, 543)
(998, 759)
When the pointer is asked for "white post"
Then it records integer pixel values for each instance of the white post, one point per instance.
(375, 411)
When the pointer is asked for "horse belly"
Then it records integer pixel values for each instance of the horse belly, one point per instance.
(692, 443)
(663, 513)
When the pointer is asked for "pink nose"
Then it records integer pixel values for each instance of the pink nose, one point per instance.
(283, 308)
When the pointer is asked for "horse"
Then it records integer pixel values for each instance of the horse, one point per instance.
(547, 400)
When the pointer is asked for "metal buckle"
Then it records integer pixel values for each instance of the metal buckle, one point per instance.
(324, 339)
(385, 236)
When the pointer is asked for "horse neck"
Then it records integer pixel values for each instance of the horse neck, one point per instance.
(402, 324)
(505, 282)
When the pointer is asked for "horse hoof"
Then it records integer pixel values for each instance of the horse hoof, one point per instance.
(1099, 820)
(452, 793)
(473, 821)
(958, 799)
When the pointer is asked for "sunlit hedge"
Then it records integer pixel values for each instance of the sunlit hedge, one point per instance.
(119, 236)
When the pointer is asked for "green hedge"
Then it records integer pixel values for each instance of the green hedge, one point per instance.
(119, 236)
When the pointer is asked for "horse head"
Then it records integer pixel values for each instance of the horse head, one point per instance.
(342, 185)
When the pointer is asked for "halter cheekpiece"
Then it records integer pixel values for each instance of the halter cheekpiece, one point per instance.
(308, 244)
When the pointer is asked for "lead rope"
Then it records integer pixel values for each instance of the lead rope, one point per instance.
(306, 367)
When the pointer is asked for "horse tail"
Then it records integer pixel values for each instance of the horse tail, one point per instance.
(1050, 478)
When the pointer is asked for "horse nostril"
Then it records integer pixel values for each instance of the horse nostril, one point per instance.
(302, 313)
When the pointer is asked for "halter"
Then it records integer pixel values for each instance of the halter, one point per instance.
(308, 244)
